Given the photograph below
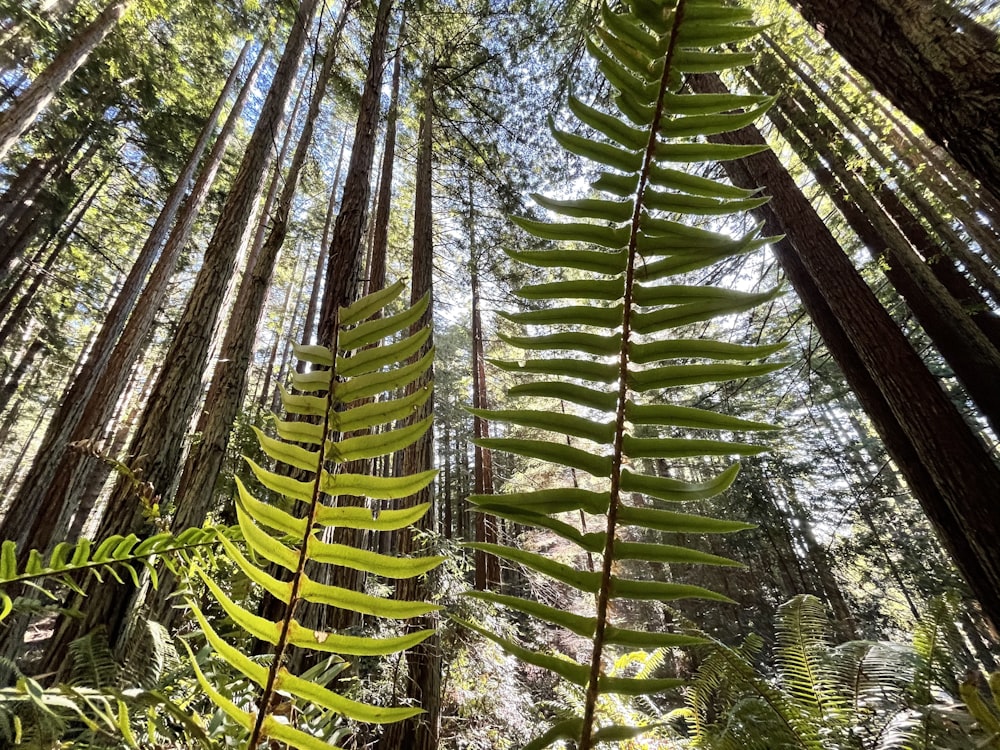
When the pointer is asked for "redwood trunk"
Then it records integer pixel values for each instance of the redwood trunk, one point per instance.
(946, 465)
(945, 79)
(22, 113)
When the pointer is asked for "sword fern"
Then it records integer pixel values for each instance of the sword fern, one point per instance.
(610, 324)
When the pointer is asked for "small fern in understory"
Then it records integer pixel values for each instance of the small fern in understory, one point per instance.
(859, 695)
(610, 318)
(366, 359)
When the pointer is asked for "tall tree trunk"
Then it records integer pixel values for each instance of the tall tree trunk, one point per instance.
(229, 382)
(161, 431)
(15, 120)
(965, 347)
(946, 465)
(945, 79)
(380, 235)
(487, 566)
(43, 507)
(343, 271)
(423, 686)
(312, 308)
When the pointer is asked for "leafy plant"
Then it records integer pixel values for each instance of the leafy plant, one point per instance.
(112, 556)
(859, 695)
(610, 315)
(367, 358)
(106, 703)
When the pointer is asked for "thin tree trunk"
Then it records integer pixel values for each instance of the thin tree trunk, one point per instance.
(487, 566)
(309, 323)
(423, 661)
(15, 120)
(380, 235)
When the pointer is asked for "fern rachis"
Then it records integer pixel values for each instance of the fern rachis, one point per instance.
(625, 245)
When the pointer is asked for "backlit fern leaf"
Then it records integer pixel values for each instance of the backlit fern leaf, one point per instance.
(608, 323)
(368, 358)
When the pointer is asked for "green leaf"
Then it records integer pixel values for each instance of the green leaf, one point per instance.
(671, 376)
(589, 343)
(601, 400)
(370, 304)
(559, 500)
(569, 670)
(373, 331)
(611, 290)
(587, 208)
(599, 466)
(578, 624)
(599, 317)
(567, 424)
(595, 234)
(373, 383)
(599, 261)
(597, 372)
(370, 360)
(685, 416)
(579, 579)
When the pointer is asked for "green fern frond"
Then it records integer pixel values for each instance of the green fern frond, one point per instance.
(371, 355)
(626, 245)
(108, 557)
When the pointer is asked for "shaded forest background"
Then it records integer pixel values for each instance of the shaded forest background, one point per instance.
(186, 188)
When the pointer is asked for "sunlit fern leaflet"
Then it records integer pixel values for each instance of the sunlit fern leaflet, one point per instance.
(610, 319)
(336, 400)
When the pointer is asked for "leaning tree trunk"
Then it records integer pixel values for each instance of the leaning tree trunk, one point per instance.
(945, 79)
(164, 424)
(946, 465)
(39, 491)
(22, 113)
(964, 346)
(229, 381)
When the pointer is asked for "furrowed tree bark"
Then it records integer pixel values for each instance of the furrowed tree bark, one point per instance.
(229, 382)
(343, 270)
(423, 685)
(964, 346)
(946, 466)
(380, 239)
(944, 79)
(312, 308)
(20, 116)
(41, 490)
(342, 280)
(161, 431)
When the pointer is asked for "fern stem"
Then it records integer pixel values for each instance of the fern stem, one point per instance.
(293, 599)
(604, 595)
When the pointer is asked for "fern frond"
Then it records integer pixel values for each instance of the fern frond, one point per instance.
(371, 355)
(108, 557)
(626, 245)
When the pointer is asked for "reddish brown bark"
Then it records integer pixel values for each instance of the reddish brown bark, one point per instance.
(945, 79)
(946, 465)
